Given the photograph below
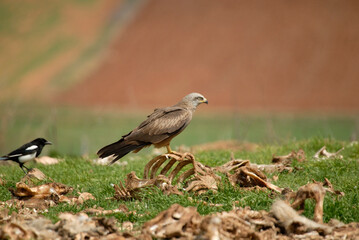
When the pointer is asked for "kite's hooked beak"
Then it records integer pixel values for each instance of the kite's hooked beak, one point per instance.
(204, 101)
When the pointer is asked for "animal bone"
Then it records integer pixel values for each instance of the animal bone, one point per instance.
(172, 222)
(287, 159)
(323, 153)
(182, 160)
(293, 222)
(246, 175)
(199, 178)
(45, 191)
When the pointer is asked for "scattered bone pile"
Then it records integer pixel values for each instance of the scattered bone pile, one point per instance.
(198, 178)
(175, 174)
(282, 222)
(30, 195)
(165, 172)
(70, 226)
(178, 222)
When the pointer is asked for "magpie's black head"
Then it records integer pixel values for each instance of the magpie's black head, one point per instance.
(41, 141)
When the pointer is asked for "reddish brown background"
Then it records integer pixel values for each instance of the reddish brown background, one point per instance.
(271, 55)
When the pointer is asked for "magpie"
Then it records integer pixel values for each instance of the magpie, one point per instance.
(26, 152)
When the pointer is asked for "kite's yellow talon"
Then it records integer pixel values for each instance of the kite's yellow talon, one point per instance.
(169, 150)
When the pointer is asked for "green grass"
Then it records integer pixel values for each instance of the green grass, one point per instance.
(83, 175)
(77, 132)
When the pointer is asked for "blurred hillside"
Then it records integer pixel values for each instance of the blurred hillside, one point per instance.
(48, 46)
(247, 55)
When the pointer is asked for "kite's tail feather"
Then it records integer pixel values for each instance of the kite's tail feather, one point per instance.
(119, 149)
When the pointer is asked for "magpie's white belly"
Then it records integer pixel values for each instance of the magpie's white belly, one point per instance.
(27, 158)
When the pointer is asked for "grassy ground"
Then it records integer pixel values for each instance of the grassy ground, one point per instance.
(83, 175)
(77, 132)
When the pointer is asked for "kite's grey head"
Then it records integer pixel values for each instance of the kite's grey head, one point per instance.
(194, 99)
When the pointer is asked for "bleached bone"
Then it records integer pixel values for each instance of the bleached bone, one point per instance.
(299, 155)
(183, 160)
(232, 165)
(293, 222)
(325, 154)
(199, 178)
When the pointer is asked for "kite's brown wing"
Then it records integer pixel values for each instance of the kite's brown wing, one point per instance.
(158, 113)
(161, 124)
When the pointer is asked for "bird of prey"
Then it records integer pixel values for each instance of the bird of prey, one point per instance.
(26, 152)
(158, 129)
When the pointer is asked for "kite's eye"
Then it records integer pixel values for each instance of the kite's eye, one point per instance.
(199, 98)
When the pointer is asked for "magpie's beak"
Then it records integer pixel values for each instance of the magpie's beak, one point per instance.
(48, 143)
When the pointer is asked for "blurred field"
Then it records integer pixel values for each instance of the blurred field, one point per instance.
(79, 131)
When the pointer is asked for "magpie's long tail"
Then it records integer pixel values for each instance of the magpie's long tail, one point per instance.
(3, 158)
(120, 149)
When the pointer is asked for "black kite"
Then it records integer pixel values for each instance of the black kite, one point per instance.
(158, 129)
